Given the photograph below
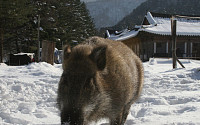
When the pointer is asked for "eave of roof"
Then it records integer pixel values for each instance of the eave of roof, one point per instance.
(125, 36)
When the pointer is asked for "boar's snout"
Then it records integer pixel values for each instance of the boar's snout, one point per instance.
(72, 117)
(80, 87)
(77, 91)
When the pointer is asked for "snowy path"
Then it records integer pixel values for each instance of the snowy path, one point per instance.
(172, 97)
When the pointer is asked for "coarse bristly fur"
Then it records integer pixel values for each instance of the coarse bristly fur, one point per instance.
(101, 79)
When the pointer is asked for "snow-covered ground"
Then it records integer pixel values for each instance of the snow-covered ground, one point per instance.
(170, 96)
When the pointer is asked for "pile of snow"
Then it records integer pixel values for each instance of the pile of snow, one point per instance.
(152, 61)
(170, 96)
(28, 94)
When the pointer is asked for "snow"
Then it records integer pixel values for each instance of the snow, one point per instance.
(124, 35)
(150, 18)
(28, 94)
(170, 96)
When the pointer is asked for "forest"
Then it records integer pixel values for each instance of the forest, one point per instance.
(23, 23)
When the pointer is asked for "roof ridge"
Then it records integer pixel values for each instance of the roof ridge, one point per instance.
(164, 15)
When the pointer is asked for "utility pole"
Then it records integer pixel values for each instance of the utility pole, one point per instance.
(38, 38)
(173, 33)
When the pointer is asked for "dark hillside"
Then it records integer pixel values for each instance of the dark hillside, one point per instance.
(181, 7)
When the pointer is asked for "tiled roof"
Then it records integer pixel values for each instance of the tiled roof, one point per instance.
(162, 26)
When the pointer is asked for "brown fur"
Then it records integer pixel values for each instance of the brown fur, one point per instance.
(101, 79)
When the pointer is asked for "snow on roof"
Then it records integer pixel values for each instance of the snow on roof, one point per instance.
(185, 27)
(150, 18)
(125, 35)
(161, 25)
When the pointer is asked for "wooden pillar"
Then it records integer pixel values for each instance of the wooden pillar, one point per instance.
(138, 49)
(167, 46)
(191, 47)
(185, 50)
(48, 52)
(173, 28)
(141, 51)
(154, 47)
(173, 33)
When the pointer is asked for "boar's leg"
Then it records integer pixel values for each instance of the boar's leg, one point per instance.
(64, 118)
(121, 119)
(118, 120)
(125, 113)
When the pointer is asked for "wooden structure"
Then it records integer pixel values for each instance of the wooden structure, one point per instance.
(153, 38)
(135, 46)
(152, 45)
(48, 52)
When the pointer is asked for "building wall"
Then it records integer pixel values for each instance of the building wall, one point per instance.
(134, 44)
(147, 45)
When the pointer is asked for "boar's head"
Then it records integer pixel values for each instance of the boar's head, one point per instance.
(79, 83)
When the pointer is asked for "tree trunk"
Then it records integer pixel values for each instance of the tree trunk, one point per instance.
(1, 47)
(17, 46)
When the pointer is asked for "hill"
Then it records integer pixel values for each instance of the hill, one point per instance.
(181, 7)
(108, 13)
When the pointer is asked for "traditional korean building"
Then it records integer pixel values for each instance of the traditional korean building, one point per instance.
(153, 38)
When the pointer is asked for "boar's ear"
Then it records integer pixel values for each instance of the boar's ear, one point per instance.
(66, 51)
(98, 56)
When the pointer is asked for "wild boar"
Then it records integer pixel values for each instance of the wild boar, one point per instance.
(101, 79)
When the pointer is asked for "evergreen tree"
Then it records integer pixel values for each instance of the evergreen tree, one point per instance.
(64, 21)
(61, 21)
(13, 22)
(77, 25)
